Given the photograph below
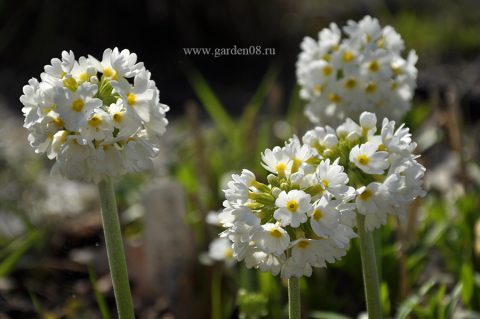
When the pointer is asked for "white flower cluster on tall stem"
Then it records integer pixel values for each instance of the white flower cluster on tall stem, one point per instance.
(97, 119)
(364, 71)
(304, 216)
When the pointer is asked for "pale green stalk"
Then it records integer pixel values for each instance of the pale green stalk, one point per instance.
(115, 251)
(294, 311)
(369, 270)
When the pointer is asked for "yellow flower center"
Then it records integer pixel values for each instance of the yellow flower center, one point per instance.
(83, 76)
(318, 88)
(366, 195)
(396, 70)
(327, 57)
(118, 117)
(58, 122)
(70, 84)
(317, 214)
(109, 72)
(325, 182)
(350, 83)
(292, 206)
(381, 147)
(334, 98)
(347, 56)
(280, 168)
(374, 66)
(95, 121)
(276, 233)
(370, 88)
(228, 253)
(131, 99)
(77, 105)
(363, 159)
(303, 244)
(327, 70)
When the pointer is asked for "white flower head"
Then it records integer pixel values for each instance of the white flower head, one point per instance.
(368, 159)
(342, 75)
(87, 116)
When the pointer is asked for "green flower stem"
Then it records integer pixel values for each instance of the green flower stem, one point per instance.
(115, 251)
(294, 298)
(369, 270)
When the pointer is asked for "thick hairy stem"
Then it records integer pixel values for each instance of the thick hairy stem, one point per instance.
(294, 311)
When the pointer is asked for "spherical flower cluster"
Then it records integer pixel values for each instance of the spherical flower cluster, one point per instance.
(97, 119)
(304, 216)
(364, 71)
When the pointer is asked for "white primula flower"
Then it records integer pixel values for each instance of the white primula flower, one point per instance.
(324, 218)
(277, 161)
(367, 158)
(75, 107)
(220, 249)
(99, 126)
(137, 97)
(293, 208)
(272, 238)
(331, 177)
(127, 123)
(116, 64)
(95, 125)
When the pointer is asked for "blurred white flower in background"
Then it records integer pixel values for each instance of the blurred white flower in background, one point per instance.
(363, 71)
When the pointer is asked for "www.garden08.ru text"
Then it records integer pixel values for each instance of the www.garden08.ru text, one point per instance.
(218, 52)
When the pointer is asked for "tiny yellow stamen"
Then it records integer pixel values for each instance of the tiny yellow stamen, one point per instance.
(229, 253)
(58, 122)
(334, 98)
(276, 233)
(317, 214)
(318, 88)
(347, 56)
(280, 168)
(350, 83)
(83, 77)
(303, 244)
(77, 105)
(108, 72)
(292, 206)
(95, 121)
(118, 117)
(381, 42)
(363, 159)
(374, 66)
(296, 165)
(327, 70)
(70, 84)
(366, 195)
(381, 148)
(325, 183)
(131, 99)
(396, 70)
(371, 87)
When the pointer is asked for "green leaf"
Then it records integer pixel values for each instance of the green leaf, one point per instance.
(405, 309)
(327, 315)
(102, 304)
(385, 299)
(211, 103)
(467, 280)
(8, 264)
(454, 300)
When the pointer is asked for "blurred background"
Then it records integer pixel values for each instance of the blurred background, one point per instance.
(224, 112)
